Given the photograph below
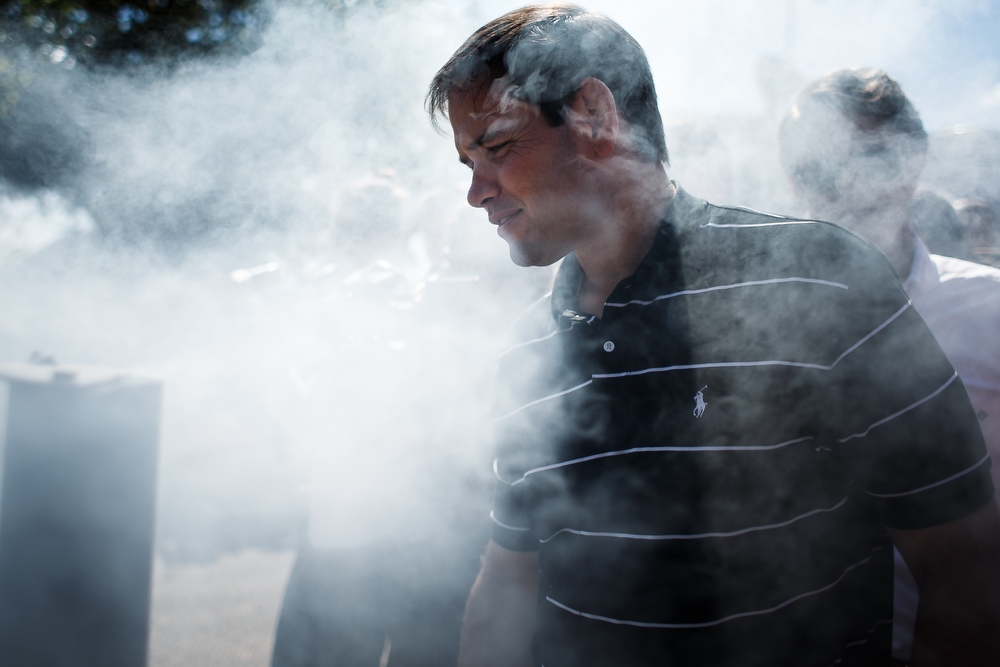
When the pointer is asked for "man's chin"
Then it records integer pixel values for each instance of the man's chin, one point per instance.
(519, 257)
(526, 256)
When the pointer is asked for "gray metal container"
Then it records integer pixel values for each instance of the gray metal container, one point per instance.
(76, 516)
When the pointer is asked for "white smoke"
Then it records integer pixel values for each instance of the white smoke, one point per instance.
(283, 240)
(225, 196)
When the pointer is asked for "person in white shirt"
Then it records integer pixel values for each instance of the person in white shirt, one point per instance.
(853, 147)
(960, 301)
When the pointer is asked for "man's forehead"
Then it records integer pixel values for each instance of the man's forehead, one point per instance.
(481, 92)
(818, 113)
(820, 127)
(476, 102)
(484, 109)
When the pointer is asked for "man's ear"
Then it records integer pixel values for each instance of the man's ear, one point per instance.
(593, 118)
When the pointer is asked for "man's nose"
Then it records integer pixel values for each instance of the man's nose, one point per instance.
(484, 186)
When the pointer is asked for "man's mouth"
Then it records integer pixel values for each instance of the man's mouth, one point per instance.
(500, 221)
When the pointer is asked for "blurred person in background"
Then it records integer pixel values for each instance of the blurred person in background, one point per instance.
(354, 596)
(706, 430)
(853, 147)
(937, 224)
(980, 228)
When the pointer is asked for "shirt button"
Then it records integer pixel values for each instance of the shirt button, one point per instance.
(609, 346)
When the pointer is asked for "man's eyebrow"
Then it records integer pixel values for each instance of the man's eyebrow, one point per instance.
(489, 134)
(476, 143)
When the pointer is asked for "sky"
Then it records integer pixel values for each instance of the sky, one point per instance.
(703, 53)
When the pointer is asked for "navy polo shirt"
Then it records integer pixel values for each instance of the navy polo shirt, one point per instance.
(706, 470)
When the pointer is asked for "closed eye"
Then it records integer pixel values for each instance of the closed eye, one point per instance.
(493, 150)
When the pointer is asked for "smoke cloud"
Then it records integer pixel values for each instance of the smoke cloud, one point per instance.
(283, 238)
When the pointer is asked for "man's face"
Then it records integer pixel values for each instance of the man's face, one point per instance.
(845, 175)
(525, 174)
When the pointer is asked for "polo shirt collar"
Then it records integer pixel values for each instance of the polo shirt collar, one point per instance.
(565, 290)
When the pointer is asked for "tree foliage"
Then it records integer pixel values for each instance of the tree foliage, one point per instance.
(120, 32)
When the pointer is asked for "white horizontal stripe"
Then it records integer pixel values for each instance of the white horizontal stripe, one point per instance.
(644, 450)
(770, 362)
(931, 486)
(681, 626)
(903, 411)
(753, 210)
(872, 333)
(535, 340)
(698, 536)
(503, 525)
(721, 364)
(751, 283)
(761, 224)
(545, 398)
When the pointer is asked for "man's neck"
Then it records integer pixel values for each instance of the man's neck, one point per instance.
(891, 229)
(622, 242)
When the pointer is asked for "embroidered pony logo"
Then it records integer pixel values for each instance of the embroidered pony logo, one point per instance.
(699, 402)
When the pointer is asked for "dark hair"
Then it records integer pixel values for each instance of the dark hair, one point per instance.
(869, 99)
(546, 52)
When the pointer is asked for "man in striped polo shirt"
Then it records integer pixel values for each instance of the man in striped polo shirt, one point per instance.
(708, 433)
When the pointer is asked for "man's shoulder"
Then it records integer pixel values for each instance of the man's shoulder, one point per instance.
(747, 242)
(951, 269)
(742, 221)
